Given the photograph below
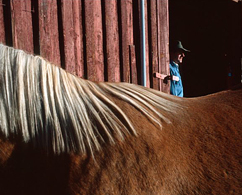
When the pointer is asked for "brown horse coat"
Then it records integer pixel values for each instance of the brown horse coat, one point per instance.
(198, 151)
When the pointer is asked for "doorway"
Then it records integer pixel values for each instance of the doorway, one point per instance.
(212, 31)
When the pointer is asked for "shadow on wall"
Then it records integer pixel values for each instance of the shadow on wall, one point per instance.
(212, 31)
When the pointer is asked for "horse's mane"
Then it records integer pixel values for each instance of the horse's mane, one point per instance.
(55, 109)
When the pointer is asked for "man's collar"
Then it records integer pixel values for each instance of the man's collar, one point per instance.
(175, 63)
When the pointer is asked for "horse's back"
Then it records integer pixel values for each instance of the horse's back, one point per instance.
(198, 152)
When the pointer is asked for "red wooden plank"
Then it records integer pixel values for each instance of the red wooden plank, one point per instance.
(154, 41)
(48, 31)
(158, 42)
(163, 40)
(94, 40)
(78, 37)
(112, 41)
(22, 25)
(68, 33)
(72, 36)
(2, 30)
(147, 46)
(127, 36)
(134, 78)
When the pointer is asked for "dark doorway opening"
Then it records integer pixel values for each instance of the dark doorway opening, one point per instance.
(212, 31)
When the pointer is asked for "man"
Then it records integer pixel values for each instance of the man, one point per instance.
(177, 53)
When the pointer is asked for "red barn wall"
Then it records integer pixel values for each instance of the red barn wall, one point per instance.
(94, 39)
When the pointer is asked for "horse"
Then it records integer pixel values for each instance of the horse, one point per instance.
(60, 134)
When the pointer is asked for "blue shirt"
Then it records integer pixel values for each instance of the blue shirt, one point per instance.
(176, 86)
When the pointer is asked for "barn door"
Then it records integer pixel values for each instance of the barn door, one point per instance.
(159, 43)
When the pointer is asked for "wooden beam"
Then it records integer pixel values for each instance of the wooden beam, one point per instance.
(78, 37)
(72, 35)
(68, 33)
(163, 41)
(112, 40)
(160, 76)
(147, 46)
(48, 31)
(154, 41)
(133, 67)
(2, 29)
(94, 40)
(164, 76)
(127, 36)
(22, 25)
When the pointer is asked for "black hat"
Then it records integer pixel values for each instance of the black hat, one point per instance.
(176, 46)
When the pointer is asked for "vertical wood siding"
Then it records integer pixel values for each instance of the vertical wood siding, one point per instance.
(162, 40)
(94, 39)
(153, 30)
(22, 25)
(126, 36)
(48, 31)
(147, 45)
(111, 44)
(2, 28)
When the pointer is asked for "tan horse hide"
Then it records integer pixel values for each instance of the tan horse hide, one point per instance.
(64, 135)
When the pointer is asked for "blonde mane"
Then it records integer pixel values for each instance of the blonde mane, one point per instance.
(59, 111)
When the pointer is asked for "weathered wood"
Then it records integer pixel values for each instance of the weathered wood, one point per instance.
(154, 43)
(147, 46)
(164, 76)
(68, 35)
(158, 41)
(72, 36)
(48, 31)
(22, 25)
(112, 41)
(94, 40)
(133, 68)
(163, 41)
(78, 37)
(127, 36)
(74, 18)
(2, 29)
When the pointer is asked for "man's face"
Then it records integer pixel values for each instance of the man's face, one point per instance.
(178, 56)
